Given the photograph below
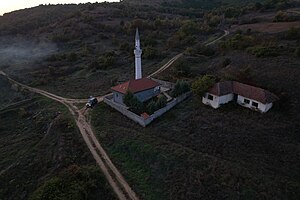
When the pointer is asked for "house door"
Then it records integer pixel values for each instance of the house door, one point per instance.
(235, 97)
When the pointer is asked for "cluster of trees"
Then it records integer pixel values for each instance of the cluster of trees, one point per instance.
(264, 51)
(239, 42)
(180, 88)
(104, 61)
(136, 106)
(188, 33)
(153, 106)
(283, 17)
(201, 49)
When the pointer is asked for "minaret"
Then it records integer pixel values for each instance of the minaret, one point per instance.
(138, 58)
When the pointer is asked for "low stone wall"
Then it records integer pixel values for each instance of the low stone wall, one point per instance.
(140, 120)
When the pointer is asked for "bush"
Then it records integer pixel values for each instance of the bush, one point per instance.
(180, 88)
(151, 107)
(261, 51)
(133, 103)
(74, 183)
(149, 52)
(201, 85)
(107, 60)
(201, 50)
(293, 34)
(239, 42)
(182, 69)
(161, 102)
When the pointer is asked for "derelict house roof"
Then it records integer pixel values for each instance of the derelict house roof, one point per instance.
(248, 91)
(222, 88)
(135, 86)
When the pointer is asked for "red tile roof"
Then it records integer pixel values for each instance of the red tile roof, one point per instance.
(145, 115)
(222, 88)
(248, 91)
(135, 86)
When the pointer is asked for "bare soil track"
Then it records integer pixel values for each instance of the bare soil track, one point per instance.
(114, 177)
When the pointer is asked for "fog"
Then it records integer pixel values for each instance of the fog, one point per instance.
(15, 52)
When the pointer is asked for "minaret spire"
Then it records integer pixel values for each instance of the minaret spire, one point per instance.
(138, 54)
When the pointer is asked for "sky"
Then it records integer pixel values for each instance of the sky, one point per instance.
(11, 5)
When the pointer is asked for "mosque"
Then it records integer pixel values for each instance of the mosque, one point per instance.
(143, 88)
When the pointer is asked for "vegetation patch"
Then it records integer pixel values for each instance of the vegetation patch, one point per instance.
(75, 183)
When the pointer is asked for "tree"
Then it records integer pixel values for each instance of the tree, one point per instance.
(149, 52)
(202, 84)
(180, 88)
(161, 102)
(151, 107)
(134, 104)
(182, 69)
(127, 98)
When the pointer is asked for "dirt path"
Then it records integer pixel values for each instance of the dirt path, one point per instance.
(218, 39)
(170, 62)
(113, 176)
(167, 65)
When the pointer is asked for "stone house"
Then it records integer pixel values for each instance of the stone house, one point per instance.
(144, 89)
(245, 95)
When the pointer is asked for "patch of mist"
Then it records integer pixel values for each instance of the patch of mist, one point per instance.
(20, 52)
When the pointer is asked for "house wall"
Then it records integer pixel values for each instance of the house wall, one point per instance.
(147, 94)
(268, 107)
(225, 98)
(217, 100)
(118, 97)
(213, 103)
(261, 107)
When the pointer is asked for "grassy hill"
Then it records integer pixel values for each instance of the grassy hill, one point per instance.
(192, 152)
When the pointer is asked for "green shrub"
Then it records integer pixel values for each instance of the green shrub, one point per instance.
(293, 34)
(202, 84)
(261, 51)
(151, 107)
(74, 183)
(161, 102)
(201, 50)
(182, 68)
(239, 42)
(133, 103)
(180, 88)
(149, 52)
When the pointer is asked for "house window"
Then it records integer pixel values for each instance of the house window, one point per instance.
(255, 104)
(210, 97)
(246, 101)
(156, 89)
